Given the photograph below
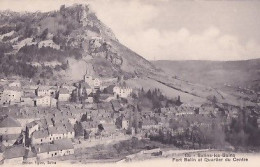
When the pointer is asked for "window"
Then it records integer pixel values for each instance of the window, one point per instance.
(55, 153)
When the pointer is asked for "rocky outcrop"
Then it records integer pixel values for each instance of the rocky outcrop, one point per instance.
(99, 47)
(72, 32)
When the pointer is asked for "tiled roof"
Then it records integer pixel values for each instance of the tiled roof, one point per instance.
(2, 148)
(64, 91)
(40, 134)
(69, 127)
(43, 87)
(9, 122)
(10, 136)
(57, 130)
(31, 124)
(13, 88)
(62, 144)
(14, 152)
(89, 124)
(29, 154)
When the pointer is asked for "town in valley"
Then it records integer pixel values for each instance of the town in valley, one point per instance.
(71, 92)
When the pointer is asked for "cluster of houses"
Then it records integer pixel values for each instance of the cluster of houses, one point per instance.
(14, 93)
(38, 122)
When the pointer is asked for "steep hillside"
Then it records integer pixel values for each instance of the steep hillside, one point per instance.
(33, 40)
(60, 45)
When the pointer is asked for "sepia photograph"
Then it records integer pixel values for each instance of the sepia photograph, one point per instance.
(130, 83)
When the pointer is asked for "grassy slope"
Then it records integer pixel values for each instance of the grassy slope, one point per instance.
(215, 73)
(147, 83)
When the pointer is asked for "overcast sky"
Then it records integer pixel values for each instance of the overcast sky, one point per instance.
(175, 30)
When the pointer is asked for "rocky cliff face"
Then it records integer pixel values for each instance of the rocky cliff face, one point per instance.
(72, 32)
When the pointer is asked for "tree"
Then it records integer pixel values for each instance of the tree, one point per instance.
(84, 117)
(149, 94)
(86, 134)
(74, 96)
(118, 122)
(78, 129)
(97, 96)
(44, 34)
(100, 128)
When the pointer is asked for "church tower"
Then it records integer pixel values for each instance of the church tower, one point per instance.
(88, 76)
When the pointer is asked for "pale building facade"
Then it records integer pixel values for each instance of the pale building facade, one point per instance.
(123, 92)
(11, 95)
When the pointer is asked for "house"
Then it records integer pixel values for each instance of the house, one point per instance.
(48, 43)
(85, 87)
(90, 125)
(41, 136)
(43, 101)
(64, 94)
(27, 101)
(9, 139)
(49, 122)
(89, 99)
(53, 91)
(44, 123)
(31, 127)
(58, 148)
(56, 133)
(120, 91)
(94, 83)
(149, 123)
(109, 128)
(125, 124)
(14, 155)
(43, 91)
(15, 84)
(53, 102)
(116, 105)
(9, 125)
(11, 95)
(70, 130)
(107, 97)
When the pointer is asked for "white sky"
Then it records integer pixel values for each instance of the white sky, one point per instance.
(171, 29)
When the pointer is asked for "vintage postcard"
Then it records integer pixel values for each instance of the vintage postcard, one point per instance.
(129, 83)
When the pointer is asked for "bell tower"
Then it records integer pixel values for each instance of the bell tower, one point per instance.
(88, 76)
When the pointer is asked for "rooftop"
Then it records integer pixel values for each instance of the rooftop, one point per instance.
(8, 121)
(14, 152)
(64, 91)
(62, 144)
(40, 134)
